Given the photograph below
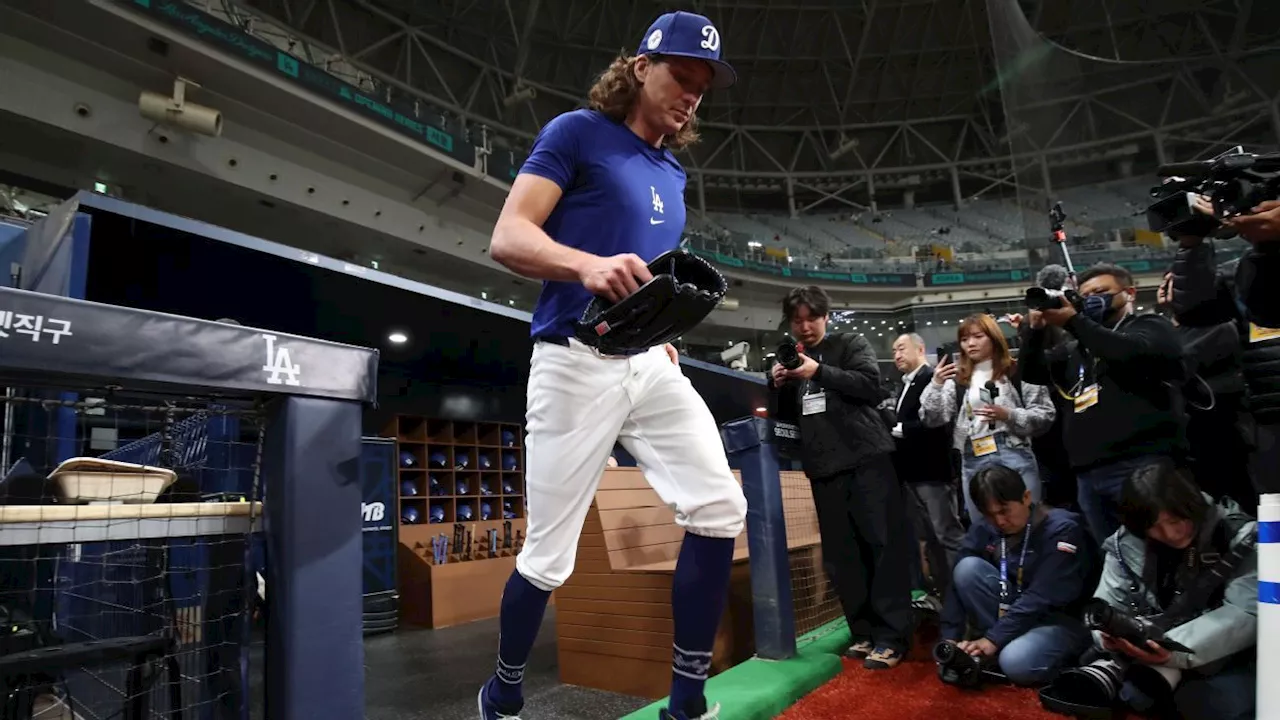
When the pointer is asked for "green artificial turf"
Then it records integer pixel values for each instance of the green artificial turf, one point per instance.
(761, 689)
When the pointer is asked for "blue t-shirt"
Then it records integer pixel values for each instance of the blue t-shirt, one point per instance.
(621, 195)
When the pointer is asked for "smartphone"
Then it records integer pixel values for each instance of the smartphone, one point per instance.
(942, 355)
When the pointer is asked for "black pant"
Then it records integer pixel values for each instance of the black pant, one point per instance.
(862, 522)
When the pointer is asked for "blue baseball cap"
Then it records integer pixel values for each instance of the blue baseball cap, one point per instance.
(686, 34)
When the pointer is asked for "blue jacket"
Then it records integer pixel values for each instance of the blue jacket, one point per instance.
(1062, 571)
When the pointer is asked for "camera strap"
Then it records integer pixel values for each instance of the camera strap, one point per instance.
(1195, 599)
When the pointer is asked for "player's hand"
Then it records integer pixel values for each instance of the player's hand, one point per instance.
(945, 371)
(1261, 226)
(615, 277)
(1036, 318)
(672, 354)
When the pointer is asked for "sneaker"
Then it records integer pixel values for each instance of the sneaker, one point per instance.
(883, 658)
(859, 650)
(489, 710)
(712, 714)
(928, 604)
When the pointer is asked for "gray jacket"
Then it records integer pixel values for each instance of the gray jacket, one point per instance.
(1031, 413)
(1214, 635)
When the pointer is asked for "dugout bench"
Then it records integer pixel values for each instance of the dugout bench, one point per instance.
(613, 619)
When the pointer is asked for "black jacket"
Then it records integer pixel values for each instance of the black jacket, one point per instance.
(922, 454)
(851, 430)
(1207, 309)
(1138, 369)
(1063, 567)
(1256, 279)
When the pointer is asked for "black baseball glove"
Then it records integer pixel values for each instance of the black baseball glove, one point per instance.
(684, 290)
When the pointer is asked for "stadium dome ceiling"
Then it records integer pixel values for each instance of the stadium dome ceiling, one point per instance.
(836, 97)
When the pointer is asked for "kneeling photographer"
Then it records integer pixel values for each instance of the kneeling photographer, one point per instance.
(1175, 614)
(1023, 576)
(831, 384)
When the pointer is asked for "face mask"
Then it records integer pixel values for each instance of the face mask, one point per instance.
(1096, 307)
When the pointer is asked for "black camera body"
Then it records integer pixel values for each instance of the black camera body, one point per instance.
(1120, 623)
(957, 667)
(1039, 298)
(789, 355)
(1235, 182)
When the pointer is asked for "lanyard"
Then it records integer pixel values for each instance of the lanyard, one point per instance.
(1092, 362)
(1022, 561)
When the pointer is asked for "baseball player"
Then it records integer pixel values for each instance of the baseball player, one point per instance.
(600, 195)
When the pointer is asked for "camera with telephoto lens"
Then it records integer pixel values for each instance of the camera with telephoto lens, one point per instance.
(789, 355)
(1234, 182)
(1118, 623)
(957, 667)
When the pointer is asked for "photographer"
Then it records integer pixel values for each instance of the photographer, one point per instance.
(1259, 269)
(1023, 575)
(1161, 562)
(1122, 373)
(1234, 396)
(845, 448)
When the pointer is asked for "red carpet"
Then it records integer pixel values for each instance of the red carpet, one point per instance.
(912, 691)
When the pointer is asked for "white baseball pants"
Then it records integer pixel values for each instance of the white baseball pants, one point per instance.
(579, 403)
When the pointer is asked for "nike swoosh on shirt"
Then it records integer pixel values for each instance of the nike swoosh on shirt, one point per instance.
(656, 222)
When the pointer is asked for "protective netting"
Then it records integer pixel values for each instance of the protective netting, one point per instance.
(813, 597)
(1089, 100)
(1036, 82)
(127, 556)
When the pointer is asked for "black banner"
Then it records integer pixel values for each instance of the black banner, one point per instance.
(395, 113)
(378, 511)
(50, 339)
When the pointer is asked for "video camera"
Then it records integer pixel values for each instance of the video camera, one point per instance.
(1235, 182)
(957, 667)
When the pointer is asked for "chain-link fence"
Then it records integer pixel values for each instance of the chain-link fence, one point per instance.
(128, 555)
(815, 600)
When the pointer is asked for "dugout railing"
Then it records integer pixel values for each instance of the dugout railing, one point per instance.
(790, 592)
(148, 607)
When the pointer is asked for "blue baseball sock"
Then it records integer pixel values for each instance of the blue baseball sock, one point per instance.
(698, 594)
(523, 606)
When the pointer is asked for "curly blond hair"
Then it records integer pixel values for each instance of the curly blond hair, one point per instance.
(615, 92)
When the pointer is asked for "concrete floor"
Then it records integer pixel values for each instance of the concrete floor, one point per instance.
(417, 674)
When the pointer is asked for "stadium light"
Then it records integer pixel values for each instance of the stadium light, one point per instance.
(398, 338)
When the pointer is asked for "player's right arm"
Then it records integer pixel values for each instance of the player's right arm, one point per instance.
(521, 245)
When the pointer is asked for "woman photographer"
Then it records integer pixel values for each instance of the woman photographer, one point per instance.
(995, 416)
(1159, 563)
